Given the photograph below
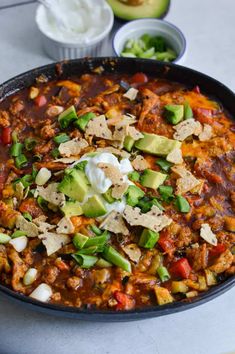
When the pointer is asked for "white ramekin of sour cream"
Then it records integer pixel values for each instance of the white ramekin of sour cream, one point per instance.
(86, 26)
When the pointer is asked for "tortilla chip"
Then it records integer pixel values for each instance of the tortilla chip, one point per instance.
(66, 160)
(119, 190)
(53, 242)
(133, 252)
(98, 127)
(43, 226)
(114, 151)
(112, 172)
(131, 94)
(186, 128)
(65, 226)
(153, 220)
(175, 156)
(207, 234)
(120, 132)
(114, 223)
(51, 194)
(139, 163)
(206, 133)
(72, 147)
(19, 191)
(186, 182)
(28, 227)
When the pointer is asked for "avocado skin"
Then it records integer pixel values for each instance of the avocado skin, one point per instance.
(156, 144)
(158, 9)
(74, 185)
(152, 179)
(94, 207)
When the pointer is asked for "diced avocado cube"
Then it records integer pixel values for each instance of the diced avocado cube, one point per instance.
(157, 144)
(108, 196)
(133, 194)
(129, 143)
(66, 117)
(74, 185)
(72, 209)
(174, 113)
(152, 179)
(94, 207)
(148, 238)
(83, 120)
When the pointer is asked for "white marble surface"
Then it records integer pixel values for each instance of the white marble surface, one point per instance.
(209, 329)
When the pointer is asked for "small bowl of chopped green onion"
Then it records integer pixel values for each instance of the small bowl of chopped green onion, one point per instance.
(150, 39)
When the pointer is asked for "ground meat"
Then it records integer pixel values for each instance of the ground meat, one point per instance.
(222, 263)
(16, 107)
(50, 274)
(7, 216)
(43, 148)
(232, 197)
(184, 237)
(4, 119)
(4, 264)
(101, 276)
(18, 271)
(47, 131)
(74, 282)
(198, 257)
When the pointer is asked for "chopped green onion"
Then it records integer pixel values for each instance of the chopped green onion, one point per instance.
(14, 136)
(61, 138)
(98, 240)
(4, 238)
(182, 204)
(41, 202)
(133, 195)
(83, 120)
(148, 238)
(55, 153)
(102, 263)
(166, 193)
(163, 273)
(90, 250)
(80, 240)
(16, 149)
(85, 261)
(188, 113)
(95, 229)
(18, 233)
(30, 143)
(27, 216)
(145, 204)
(21, 161)
(26, 180)
(34, 172)
(81, 165)
(112, 256)
(165, 165)
(134, 176)
(37, 157)
(67, 117)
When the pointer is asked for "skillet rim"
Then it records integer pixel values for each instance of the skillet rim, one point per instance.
(222, 93)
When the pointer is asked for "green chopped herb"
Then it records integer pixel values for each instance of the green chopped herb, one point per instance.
(182, 204)
(30, 143)
(165, 165)
(85, 261)
(61, 138)
(95, 229)
(16, 149)
(80, 240)
(21, 161)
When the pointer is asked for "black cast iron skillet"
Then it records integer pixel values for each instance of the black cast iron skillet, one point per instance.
(171, 72)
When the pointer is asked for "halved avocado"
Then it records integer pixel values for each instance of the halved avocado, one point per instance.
(131, 10)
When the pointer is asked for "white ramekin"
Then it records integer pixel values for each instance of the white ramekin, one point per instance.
(135, 29)
(59, 50)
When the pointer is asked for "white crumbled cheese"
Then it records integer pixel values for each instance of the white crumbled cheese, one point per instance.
(175, 156)
(28, 227)
(53, 241)
(131, 94)
(72, 147)
(187, 128)
(153, 220)
(207, 234)
(65, 226)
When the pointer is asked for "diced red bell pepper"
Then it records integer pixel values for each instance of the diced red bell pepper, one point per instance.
(40, 100)
(204, 115)
(125, 302)
(197, 89)
(215, 251)
(6, 135)
(139, 78)
(166, 243)
(181, 268)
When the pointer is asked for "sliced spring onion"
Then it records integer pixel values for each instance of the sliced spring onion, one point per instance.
(85, 261)
(18, 233)
(102, 263)
(67, 117)
(42, 293)
(148, 238)
(30, 143)
(163, 273)
(98, 240)
(16, 149)
(27, 216)
(4, 238)
(83, 120)
(42, 176)
(61, 138)
(112, 256)
(30, 276)
(26, 180)
(80, 240)
(42, 202)
(21, 161)
(14, 136)
(165, 165)
(182, 204)
(96, 230)
(19, 243)
(89, 250)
